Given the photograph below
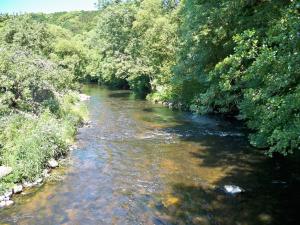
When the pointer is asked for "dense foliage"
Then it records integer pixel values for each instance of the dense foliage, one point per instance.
(246, 64)
(38, 101)
(78, 22)
(238, 58)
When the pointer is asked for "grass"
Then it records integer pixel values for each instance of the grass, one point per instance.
(29, 141)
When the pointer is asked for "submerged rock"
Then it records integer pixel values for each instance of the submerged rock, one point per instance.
(83, 97)
(52, 163)
(73, 147)
(278, 182)
(5, 170)
(18, 188)
(87, 123)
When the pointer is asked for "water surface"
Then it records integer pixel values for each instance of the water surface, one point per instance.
(140, 163)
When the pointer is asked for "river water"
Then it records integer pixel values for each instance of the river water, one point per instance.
(141, 163)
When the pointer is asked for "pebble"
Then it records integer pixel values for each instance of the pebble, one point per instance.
(52, 163)
(27, 184)
(45, 173)
(6, 203)
(18, 188)
(83, 97)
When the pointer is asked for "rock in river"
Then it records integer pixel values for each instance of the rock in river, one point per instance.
(232, 189)
(84, 97)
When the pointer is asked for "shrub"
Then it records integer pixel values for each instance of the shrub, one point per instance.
(28, 82)
(28, 141)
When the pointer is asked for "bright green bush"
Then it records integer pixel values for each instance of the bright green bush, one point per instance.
(152, 46)
(109, 40)
(245, 64)
(134, 43)
(29, 141)
(77, 22)
(22, 31)
(71, 109)
(28, 82)
(38, 111)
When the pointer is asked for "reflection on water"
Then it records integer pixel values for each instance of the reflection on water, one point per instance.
(140, 163)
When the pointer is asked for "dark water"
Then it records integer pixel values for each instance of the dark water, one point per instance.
(140, 163)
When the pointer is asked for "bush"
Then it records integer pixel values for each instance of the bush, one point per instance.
(22, 31)
(245, 64)
(28, 82)
(28, 142)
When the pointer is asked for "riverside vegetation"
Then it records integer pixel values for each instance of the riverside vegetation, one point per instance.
(235, 58)
(39, 104)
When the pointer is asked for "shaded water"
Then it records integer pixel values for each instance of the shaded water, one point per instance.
(140, 163)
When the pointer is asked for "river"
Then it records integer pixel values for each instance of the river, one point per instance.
(141, 163)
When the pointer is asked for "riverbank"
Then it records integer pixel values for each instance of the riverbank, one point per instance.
(38, 146)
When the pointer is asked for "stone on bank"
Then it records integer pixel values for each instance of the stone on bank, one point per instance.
(52, 163)
(18, 188)
(5, 170)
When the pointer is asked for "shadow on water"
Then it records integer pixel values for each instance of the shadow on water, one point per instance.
(271, 185)
(126, 95)
(123, 94)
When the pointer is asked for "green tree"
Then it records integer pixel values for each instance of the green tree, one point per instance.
(24, 32)
(110, 39)
(152, 47)
(244, 57)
